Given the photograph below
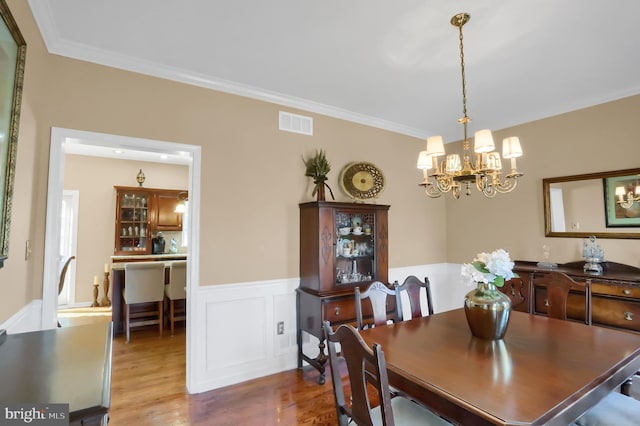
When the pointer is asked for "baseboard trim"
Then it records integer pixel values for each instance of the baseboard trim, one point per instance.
(27, 319)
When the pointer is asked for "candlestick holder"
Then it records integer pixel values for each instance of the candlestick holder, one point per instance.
(95, 303)
(105, 285)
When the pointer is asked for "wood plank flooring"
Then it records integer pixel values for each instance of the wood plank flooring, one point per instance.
(148, 388)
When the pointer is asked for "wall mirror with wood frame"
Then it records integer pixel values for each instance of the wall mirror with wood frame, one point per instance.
(590, 204)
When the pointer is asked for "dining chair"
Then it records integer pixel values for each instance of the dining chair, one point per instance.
(176, 289)
(366, 367)
(379, 297)
(64, 267)
(412, 286)
(143, 283)
(558, 286)
(615, 410)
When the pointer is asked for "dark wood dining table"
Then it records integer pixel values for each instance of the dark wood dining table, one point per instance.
(545, 371)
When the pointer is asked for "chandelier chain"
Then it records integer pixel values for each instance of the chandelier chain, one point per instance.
(465, 118)
(464, 85)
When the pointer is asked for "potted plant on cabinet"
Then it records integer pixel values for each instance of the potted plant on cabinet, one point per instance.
(318, 167)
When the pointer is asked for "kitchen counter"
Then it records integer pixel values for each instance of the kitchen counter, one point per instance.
(118, 282)
(148, 257)
(119, 266)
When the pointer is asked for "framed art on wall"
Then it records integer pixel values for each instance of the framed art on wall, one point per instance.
(620, 210)
(12, 59)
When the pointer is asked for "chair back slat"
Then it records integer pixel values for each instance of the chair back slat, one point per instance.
(378, 296)
(413, 288)
(365, 366)
(558, 287)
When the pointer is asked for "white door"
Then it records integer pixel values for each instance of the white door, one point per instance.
(68, 244)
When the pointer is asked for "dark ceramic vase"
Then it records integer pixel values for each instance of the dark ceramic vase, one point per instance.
(487, 311)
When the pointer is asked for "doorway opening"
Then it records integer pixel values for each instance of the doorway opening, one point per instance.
(68, 245)
(61, 140)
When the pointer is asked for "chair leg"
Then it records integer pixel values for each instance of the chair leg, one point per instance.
(126, 320)
(172, 314)
(160, 312)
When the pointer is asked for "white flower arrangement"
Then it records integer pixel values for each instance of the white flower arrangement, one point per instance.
(493, 268)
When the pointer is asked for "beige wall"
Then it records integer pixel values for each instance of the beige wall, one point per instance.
(94, 179)
(596, 139)
(253, 175)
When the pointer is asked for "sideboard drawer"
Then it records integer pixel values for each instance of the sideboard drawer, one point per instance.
(616, 313)
(340, 311)
(621, 289)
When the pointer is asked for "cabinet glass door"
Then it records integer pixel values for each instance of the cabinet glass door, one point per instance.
(133, 222)
(355, 247)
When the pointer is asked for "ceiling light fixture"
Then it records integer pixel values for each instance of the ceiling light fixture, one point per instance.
(452, 174)
(140, 178)
(181, 207)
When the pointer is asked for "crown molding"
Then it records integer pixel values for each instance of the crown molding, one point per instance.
(59, 46)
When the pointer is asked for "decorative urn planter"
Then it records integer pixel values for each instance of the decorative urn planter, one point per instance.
(488, 311)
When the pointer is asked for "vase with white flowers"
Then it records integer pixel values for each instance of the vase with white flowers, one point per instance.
(488, 309)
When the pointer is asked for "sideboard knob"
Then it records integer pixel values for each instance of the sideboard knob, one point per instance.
(626, 291)
(337, 311)
(628, 316)
(546, 302)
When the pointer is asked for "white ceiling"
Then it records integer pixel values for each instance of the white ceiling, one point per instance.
(393, 64)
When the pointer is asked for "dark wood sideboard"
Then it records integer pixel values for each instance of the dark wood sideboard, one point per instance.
(615, 298)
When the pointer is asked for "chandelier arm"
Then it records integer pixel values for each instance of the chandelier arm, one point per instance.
(444, 183)
(508, 185)
(432, 191)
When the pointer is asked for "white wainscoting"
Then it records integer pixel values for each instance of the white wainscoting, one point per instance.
(235, 331)
(27, 319)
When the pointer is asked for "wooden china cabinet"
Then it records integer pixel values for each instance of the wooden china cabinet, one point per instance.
(141, 212)
(133, 221)
(342, 246)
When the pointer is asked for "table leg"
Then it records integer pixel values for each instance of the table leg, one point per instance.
(625, 388)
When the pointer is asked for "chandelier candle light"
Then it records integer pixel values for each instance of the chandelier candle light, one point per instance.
(453, 173)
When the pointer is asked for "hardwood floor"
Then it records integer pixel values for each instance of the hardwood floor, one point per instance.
(148, 388)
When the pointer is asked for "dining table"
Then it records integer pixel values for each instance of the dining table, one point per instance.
(68, 366)
(544, 371)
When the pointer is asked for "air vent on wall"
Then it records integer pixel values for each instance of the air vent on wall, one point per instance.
(296, 123)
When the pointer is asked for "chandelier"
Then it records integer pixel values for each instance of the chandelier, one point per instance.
(626, 199)
(452, 174)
